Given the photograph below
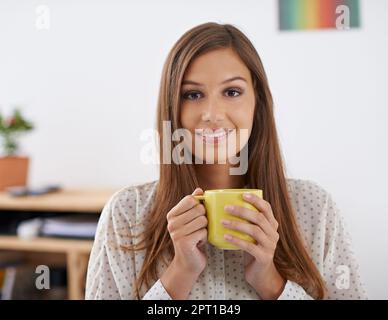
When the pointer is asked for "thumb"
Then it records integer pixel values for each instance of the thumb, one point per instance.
(197, 191)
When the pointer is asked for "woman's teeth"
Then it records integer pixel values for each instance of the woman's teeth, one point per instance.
(215, 136)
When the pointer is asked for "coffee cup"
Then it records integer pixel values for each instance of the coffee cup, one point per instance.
(215, 202)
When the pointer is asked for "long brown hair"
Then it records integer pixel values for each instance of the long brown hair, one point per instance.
(265, 165)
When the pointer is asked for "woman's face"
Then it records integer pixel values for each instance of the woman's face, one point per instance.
(217, 95)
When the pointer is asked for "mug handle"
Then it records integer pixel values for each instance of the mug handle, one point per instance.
(200, 197)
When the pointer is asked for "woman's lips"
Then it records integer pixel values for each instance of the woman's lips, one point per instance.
(210, 136)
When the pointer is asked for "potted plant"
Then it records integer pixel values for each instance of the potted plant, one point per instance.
(13, 167)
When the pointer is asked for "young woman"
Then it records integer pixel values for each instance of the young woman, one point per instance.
(151, 241)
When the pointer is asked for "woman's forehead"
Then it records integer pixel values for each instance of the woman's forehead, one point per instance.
(216, 66)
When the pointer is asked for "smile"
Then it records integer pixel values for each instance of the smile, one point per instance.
(213, 137)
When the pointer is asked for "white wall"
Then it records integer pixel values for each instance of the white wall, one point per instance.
(90, 83)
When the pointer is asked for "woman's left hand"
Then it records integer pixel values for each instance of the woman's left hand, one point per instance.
(260, 270)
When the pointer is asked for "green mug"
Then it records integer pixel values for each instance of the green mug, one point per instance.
(215, 202)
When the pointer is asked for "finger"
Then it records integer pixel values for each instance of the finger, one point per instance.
(197, 191)
(261, 205)
(247, 246)
(196, 224)
(250, 229)
(199, 236)
(190, 215)
(257, 218)
(185, 204)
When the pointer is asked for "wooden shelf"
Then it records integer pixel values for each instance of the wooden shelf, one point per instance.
(76, 253)
(42, 244)
(73, 252)
(73, 200)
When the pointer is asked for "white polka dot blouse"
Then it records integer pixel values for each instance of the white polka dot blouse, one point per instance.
(112, 269)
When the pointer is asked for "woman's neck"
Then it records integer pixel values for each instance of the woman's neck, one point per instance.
(217, 176)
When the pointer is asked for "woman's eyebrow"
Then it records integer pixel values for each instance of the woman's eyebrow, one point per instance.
(191, 82)
(234, 78)
(225, 81)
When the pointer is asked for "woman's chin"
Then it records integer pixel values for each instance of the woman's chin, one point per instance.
(209, 158)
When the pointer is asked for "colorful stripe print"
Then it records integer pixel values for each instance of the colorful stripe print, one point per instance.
(315, 14)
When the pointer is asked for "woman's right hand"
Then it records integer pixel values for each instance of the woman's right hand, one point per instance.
(187, 224)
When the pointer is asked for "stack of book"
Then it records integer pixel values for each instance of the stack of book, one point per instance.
(9, 263)
(70, 226)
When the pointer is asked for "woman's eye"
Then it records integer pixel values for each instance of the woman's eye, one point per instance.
(232, 92)
(191, 95)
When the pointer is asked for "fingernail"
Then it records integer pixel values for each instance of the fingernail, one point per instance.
(226, 222)
(229, 207)
(228, 237)
(247, 195)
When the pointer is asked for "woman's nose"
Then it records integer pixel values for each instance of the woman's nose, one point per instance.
(213, 111)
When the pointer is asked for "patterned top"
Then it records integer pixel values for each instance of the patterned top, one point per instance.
(112, 269)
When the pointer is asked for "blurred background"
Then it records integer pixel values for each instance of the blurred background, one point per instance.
(86, 74)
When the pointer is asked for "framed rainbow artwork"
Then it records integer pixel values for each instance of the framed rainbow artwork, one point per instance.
(318, 14)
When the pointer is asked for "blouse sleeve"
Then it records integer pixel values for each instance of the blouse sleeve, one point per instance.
(339, 267)
(111, 269)
(157, 292)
